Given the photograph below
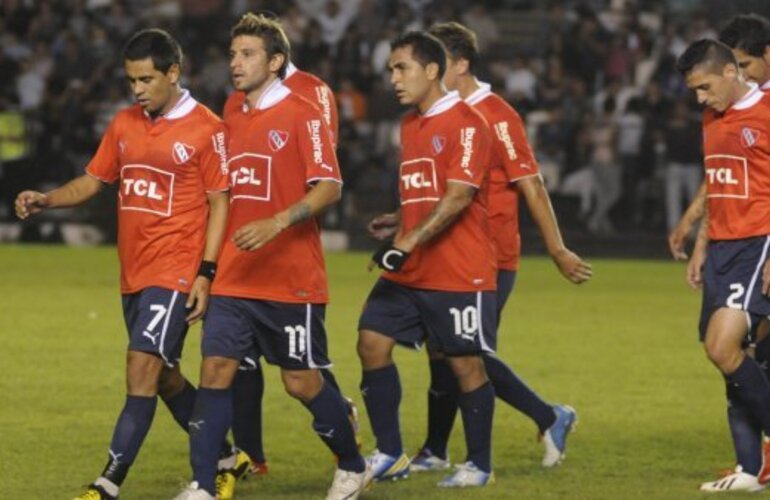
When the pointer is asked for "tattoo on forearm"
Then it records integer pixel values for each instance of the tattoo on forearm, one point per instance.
(442, 215)
(299, 213)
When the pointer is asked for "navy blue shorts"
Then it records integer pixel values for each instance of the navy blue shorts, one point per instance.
(732, 277)
(454, 323)
(155, 319)
(505, 282)
(292, 336)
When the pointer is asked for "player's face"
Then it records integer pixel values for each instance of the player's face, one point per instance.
(754, 69)
(409, 78)
(713, 89)
(250, 67)
(152, 88)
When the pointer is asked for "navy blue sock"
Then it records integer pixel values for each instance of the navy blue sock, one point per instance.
(751, 388)
(209, 424)
(248, 388)
(478, 408)
(130, 430)
(511, 389)
(181, 404)
(330, 379)
(746, 433)
(442, 407)
(330, 421)
(381, 390)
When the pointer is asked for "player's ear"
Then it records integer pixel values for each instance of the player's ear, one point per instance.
(431, 70)
(276, 62)
(173, 73)
(463, 66)
(730, 70)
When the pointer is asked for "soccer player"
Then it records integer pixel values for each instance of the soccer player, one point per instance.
(749, 38)
(513, 171)
(440, 269)
(734, 233)
(271, 290)
(167, 154)
(248, 385)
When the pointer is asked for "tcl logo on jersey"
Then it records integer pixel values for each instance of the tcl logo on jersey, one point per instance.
(418, 181)
(727, 176)
(466, 140)
(250, 176)
(501, 129)
(181, 152)
(146, 189)
(220, 148)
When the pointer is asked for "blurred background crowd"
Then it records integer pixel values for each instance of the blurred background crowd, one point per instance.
(616, 134)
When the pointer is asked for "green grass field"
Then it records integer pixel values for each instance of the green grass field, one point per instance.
(622, 350)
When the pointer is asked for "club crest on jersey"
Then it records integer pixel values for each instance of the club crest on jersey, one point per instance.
(749, 137)
(277, 139)
(438, 142)
(181, 152)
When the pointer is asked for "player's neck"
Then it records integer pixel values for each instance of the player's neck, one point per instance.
(253, 96)
(741, 89)
(176, 94)
(467, 85)
(434, 94)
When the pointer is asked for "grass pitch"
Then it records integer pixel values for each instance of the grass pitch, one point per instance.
(622, 350)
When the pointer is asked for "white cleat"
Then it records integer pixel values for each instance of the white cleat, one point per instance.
(348, 485)
(737, 481)
(426, 461)
(193, 492)
(466, 475)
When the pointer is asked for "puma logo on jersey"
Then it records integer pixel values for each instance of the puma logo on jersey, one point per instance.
(466, 140)
(501, 129)
(153, 338)
(122, 146)
(277, 139)
(181, 152)
(438, 142)
(314, 129)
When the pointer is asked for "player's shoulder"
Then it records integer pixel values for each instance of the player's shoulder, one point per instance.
(463, 115)
(496, 106)
(233, 103)
(205, 116)
(300, 105)
(305, 78)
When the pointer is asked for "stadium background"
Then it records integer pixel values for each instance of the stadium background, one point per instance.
(621, 349)
(570, 68)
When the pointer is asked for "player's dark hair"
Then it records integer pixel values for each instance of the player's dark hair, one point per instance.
(270, 31)
(459, 41)
(155, 44)
(426, 49)
(749, 33)
(705, 51)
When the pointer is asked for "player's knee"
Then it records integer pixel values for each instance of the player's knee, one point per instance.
(217, 372)
(725, 355)
(469, 371)
(373, 352)
(142, 373)
(302, 384)
(170, 383)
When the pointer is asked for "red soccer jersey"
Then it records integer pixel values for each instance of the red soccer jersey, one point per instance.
(449, 143)
(277, 151)
(736, 150)
(164, 168)
(305, 85)
(512, 160)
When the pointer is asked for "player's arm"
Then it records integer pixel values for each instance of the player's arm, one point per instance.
(257, 233)
(197, 301)
(570, 264)
(678, 236)
(384, 226)
(74, 192)
(695, 266)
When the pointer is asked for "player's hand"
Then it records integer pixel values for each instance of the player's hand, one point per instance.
(572, 266)
(695, 268)
(29, 203)
(677, 238)
(256, 234)
(766, 278)
(388, 258)
(198, 300)
(383, 226)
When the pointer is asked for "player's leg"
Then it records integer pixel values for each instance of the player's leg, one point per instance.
(390, 315)
(248, 390)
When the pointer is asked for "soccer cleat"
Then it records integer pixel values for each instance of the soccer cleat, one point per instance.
(348, 485)
(227, 477)
(467, 474)
(258, 469)
(764, 472)
(425, 461)
(193, 492)
(386, 467)
(95, 492)
(735, 481)
(555, 437)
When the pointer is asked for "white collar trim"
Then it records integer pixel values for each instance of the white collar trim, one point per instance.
(443, 104)
(481, 93)
(752, 97)
(182, 108)
(765, 86)
(271, 96)
(290, 70)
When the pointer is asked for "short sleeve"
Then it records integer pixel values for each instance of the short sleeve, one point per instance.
(213, 166)
(469, 160)
(105, 164)
(316, 148)
(509, 139)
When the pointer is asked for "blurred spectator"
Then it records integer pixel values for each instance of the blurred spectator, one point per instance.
(684, 161)
(604, 163)
(480, 21)
(333, 16)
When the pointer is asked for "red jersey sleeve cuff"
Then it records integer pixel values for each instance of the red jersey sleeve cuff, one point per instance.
(313, 180)
(464, 182)
(99, 178)
(517, 179)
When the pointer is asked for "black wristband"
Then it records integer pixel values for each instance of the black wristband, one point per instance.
(208, 269)
(390, 258)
